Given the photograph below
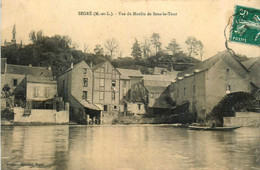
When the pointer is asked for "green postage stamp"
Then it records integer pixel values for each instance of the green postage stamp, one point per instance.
(246, 26)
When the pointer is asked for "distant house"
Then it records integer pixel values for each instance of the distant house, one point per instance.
(164, 71)
(206, 83)
(128, 78)
(40, 91)
(13, 75)
(156, 86)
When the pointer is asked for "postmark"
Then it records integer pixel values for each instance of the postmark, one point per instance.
(246, 26)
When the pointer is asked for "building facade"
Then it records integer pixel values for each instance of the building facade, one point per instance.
(205, 84)
(106, 87)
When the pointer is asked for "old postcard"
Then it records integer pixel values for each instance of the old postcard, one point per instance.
(133, 84)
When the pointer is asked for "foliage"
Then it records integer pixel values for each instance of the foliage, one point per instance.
(98, 50)
(146, 48)
(155, 40)
(195, 46)
(173, 46)
(136, 50)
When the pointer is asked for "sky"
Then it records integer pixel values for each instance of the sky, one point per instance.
(202, 19)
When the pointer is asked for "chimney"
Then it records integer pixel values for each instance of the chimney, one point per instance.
(30, 65)
(49, 68)
(71, 65)
(91, 64)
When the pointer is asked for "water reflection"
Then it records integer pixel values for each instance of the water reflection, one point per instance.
(128, 147)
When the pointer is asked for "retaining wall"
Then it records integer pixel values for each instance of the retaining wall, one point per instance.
(243, 119)
(41, 116)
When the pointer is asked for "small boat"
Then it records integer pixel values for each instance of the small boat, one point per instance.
(213, 128)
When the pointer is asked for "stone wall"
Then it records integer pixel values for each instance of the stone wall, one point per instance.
(243, 119)
(41, 116)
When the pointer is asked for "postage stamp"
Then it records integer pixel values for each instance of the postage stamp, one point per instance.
(246, 26)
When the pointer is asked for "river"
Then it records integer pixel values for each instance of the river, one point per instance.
(127, 147)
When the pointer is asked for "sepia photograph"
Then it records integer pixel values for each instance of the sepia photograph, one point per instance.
(130, 84)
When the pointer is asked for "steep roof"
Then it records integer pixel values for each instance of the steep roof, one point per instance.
(28, 70)
(248, 63)
(100, 64)
(207, 64)
(159, 77)
(40, 79)
(125, 73)
(3, 64)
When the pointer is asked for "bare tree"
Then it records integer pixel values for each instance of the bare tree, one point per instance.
(155, 40)
(86, 48)
(146, 48)
(111, 45)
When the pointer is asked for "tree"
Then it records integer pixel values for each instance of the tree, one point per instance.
(195, 47)
(98, 50)
(173, 46)
(136, 50)
(146, 48)
(155, 40)
(111, 45)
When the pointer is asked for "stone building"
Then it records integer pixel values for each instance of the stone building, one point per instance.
(75, 85)
(91, 91)
(253, 65)
(205, 84)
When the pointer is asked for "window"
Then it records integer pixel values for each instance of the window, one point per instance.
(227, 70)
(113, 95)
(139, 106)
(85, 95)
(85, 70)
(14, 82)
(105, 107)
(101, 95)
(184, 91)
(228, 89)
(113, 83)
(85, 82)
(102, 82)
(194, 89)
(46, 92)
(102, 69)
(35, 92)
(115, 107)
